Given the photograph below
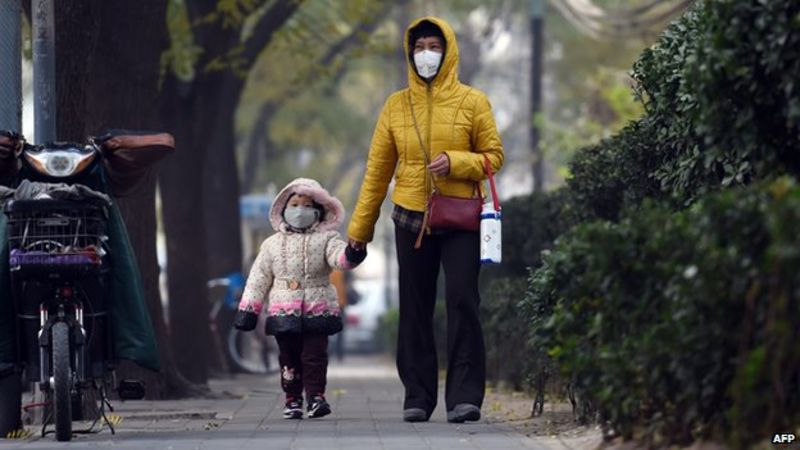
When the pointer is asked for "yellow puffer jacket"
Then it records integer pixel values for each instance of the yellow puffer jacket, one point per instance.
(453, 118)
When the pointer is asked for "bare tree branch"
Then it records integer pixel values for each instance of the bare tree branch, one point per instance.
(257, 141)
(270, 22)
(359, 34)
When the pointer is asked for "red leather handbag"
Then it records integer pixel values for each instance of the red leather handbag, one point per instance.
(446, 212)
(454, 213)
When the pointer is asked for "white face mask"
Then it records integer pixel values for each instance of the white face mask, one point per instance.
(301, 217)
(427, 63)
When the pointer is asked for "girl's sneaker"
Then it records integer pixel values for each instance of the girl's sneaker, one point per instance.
(318, 407)
(294, 408)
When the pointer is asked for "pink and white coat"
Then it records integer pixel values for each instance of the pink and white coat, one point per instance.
(291, 273)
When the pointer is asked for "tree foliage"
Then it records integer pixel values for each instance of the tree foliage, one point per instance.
(721, 83)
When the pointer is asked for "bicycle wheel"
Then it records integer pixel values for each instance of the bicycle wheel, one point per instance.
(248, 354)
(62, 382)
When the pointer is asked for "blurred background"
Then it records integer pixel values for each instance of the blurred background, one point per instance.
(651, 255)
(259, 92)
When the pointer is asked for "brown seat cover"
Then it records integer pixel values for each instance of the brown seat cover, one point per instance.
(129, 158)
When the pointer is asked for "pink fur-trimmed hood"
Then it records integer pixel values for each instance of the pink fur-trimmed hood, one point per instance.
(334, 211)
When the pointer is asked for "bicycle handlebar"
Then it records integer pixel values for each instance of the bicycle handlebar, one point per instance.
(217, 282)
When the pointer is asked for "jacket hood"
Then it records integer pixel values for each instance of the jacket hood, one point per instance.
(448, 71)
(334, 211)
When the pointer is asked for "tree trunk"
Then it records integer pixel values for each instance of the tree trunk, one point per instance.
(258, 147)
(181, 181)
(107, 77)
(216, 109)
(200, 186)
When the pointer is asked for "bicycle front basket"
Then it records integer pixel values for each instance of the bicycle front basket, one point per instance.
(55, 236)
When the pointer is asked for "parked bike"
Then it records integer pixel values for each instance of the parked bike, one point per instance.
(241, 352)
(76, 302)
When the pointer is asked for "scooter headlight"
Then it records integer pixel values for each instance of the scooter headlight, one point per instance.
(59, 163)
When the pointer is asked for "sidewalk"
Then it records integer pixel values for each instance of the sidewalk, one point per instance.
(365, 394)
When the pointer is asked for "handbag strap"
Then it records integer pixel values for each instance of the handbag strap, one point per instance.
(487, 167)
(425, 151)
(421, 233)
(421, 142)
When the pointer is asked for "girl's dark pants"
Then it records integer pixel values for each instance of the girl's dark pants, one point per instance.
(458, 253)
(304, 363)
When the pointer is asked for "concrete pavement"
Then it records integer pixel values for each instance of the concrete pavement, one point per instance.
(365, 394)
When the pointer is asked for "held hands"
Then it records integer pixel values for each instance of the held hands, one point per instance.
(355, 252)
(245, 320)
(354, 255)
(440, 166)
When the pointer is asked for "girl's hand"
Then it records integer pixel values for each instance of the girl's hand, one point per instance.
(440, 166)
(245, 320)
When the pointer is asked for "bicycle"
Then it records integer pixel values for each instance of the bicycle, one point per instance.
(237, 351)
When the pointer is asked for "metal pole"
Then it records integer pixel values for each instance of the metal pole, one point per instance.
(537, 33)
(10, 66)
(44, 71)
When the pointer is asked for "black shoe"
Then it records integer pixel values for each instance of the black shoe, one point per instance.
(294, 408)
(464, 412)
(415, 415)
(318, 407)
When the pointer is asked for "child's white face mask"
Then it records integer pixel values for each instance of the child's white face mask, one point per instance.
(301, 217)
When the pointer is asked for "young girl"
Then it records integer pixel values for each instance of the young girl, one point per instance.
(291, 273)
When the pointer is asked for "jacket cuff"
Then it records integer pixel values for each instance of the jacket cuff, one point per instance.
(354, 232)
(251, 305)
(462, 166)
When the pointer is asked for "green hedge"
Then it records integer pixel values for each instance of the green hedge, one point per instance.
(676, 327)
(672, 309)
(614, 175)
(510, 362)
(530, 225)
(722, 103)
(721, 87)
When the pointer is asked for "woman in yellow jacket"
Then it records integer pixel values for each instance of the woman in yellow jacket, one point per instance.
(454, 123)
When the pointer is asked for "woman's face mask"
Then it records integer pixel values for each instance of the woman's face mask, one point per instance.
(301, 217)
(427, 62)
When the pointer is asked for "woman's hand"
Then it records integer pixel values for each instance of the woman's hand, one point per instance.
(440, 166)
(357, 245)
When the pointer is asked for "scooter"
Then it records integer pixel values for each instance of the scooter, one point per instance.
(63, 233)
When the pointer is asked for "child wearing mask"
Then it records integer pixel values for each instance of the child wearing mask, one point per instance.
(291, 276)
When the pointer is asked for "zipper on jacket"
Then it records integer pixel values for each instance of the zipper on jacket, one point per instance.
(305, 259)
(429, 98)
(429, 95)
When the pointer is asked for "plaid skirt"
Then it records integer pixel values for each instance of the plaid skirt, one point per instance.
(410, 220)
